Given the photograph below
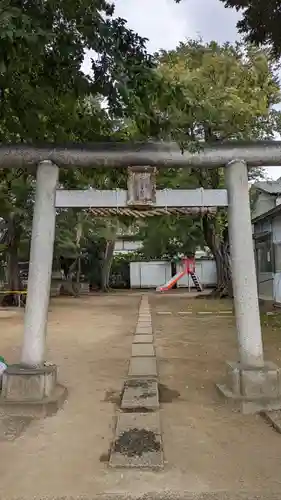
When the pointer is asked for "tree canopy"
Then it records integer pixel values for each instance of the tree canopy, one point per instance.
(45, 96)
(41, 52)
(198, 92)
(260, 21)
(212, 93)
(169, 236)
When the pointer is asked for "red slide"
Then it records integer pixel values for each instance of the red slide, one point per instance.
(171, 282)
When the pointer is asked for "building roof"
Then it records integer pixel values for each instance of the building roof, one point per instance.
(270, 187)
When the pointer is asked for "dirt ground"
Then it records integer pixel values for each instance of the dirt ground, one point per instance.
(208, 447)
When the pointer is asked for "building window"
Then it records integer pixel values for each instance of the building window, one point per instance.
(265, 256)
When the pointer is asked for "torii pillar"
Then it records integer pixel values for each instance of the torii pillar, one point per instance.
(31, 387)
(253, 384)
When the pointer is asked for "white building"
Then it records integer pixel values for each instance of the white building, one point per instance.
(266, 222)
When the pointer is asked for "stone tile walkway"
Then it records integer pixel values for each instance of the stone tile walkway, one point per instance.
(138, 441)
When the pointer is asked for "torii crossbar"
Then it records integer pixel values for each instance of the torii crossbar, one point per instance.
(164, 198)
(254, 383)
(157, 154)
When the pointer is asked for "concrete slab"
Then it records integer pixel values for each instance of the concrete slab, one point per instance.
(143, 331)
(36, 409)
(273, 418)
(143, 327)
(143, 350)
(140, 394)
(249, 406)
(144, 324)
(143, 367)
(137, 441)
(143, 339)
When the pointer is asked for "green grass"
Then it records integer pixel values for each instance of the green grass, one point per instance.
(271, 320)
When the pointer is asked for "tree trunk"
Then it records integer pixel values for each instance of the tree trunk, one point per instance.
(219, 247)
(14, 283)
(106, 266)
(224, 281)
(174, 272)
(78, 272)
(70, 286)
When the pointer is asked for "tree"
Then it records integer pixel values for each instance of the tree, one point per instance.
(44, 96)
(214, 93)
(73, 230)
(16, 203)
(260, 21)
(17, 189)
(169, 236)
(42, 49)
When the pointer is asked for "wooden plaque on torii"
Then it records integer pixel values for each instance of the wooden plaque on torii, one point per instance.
(141, 186)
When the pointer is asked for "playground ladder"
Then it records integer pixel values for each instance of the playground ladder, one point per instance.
(196, 282)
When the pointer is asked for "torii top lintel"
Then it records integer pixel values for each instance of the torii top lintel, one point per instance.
(158, 154)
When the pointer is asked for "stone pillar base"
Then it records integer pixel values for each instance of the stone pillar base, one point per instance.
(251, 389)
(31, 392)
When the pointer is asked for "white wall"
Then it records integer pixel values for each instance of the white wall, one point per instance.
(149, 274)
(155, 273)
(205, 271)
(269, 284)
(277, 287)
(276, 229)
(276, 237)
(265, 280)
(263, 204)
(266, 286)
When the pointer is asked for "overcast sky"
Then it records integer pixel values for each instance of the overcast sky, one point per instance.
(166, 23)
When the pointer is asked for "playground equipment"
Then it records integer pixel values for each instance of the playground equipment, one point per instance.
(188, 267)
(253, 383)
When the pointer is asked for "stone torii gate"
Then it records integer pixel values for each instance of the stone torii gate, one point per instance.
(252, 382)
